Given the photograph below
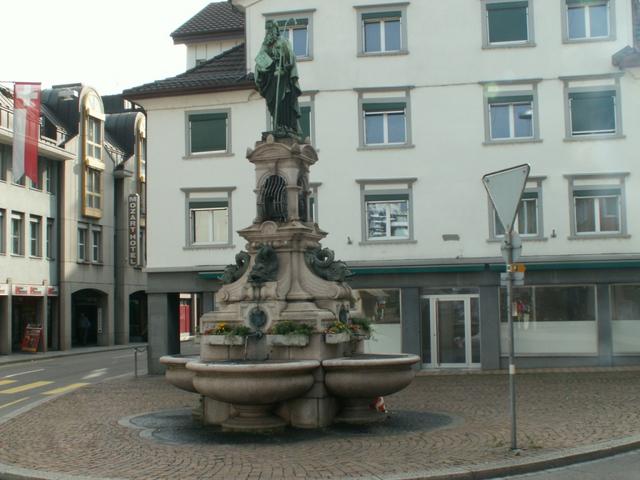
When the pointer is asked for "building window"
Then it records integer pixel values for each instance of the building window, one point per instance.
(94, 138)
(4, 162)
(510, 117)
(597, 205)
(307, 121)
(588, 20)
(313, 202)
(93, 155)
(386, 210)
(597, 211)
(526, 219)
(35, 236)
(507, 23)
(208, 133)
(17, 233)
(49, 239)
(82, 243)
(49, 179)
(93, 189)
(96, 245)
(384, 122)
(3, 230)
(208, 217)
(382, 30)
(558, 320)
(593, 111)
(625, 313)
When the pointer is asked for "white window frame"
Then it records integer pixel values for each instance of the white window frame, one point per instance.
(17, 234)
(37, 240)
(288, 31)
(611, 22)
(3, 230)
(392, 190)
(372, 96)
(96, 248)
(82, 249)
(381, 9)
(205, 195)
(604, 183)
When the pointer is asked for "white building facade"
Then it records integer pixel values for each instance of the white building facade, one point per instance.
(409, 104)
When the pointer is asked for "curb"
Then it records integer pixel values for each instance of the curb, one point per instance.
(34, 357)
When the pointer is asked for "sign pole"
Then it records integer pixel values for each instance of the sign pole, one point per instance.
(512, 366)
(505, 189)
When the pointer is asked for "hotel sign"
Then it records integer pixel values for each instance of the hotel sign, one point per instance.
(133, 229)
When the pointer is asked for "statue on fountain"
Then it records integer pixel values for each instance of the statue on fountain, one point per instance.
(276, 77)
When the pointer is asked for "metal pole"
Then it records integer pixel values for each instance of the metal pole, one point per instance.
(135, 361)
(512, 367)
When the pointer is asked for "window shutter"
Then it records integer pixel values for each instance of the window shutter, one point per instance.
(593, 111)
(596, 192)
(389, 197)
(305, 121)
(508, 21)
(384, 106)
(208, 203)
(208, 132)
(584, 2)
(510, 98)
(291, 22)
(381, 15)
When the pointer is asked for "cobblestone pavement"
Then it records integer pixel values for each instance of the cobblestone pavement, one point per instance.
(79, 433)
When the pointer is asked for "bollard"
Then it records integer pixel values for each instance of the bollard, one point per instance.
(135, 358)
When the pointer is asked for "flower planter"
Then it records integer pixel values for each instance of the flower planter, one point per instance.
(223, 340)
(337, 337)
(292, 340)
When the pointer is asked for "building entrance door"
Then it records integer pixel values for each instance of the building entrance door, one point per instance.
(455, 330)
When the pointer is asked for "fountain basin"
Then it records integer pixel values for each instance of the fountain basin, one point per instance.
(177, 373)
(253, 388)
(360, 379)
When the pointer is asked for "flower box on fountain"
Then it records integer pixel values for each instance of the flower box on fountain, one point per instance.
(289, 334)
(226, 334)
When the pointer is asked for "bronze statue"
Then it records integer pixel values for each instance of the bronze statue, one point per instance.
(276, 77)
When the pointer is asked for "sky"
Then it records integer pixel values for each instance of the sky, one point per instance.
(110, 45)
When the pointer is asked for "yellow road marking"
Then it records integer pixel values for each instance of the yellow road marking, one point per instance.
(68, 388)
(6, 382)
(14, 402)
(22, 388)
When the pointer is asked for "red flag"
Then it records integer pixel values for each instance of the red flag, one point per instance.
(26, 130)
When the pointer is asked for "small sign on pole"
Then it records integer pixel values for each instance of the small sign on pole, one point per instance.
(505, 189)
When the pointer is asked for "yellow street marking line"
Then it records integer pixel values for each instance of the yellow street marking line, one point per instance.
(68, 388)
(22, 388)
(14, 402)
(6, 382)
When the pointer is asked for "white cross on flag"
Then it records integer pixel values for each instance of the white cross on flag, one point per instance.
(26, 130)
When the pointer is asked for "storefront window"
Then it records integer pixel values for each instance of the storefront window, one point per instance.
(382, 309)
(558, 320)
(625, 315)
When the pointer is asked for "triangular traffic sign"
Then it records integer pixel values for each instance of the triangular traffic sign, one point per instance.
(505, 188)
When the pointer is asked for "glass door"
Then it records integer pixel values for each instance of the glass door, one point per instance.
(455, 331)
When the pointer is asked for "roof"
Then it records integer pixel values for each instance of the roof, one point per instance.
(122, 129)
(216, 19)
(226, 71)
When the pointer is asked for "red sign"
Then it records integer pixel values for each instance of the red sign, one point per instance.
(52, 291)
(28, 290)
(31, 338)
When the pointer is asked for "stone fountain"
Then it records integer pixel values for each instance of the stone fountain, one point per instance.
(257, 382)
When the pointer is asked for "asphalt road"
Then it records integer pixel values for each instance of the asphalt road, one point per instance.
(25, 385)
(625, 466)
